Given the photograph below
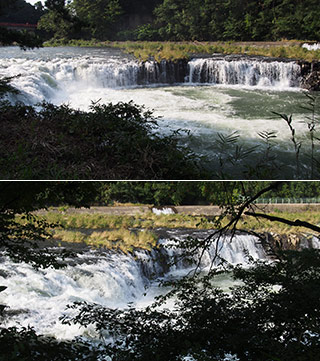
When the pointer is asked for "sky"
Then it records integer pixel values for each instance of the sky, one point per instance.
(34, 1)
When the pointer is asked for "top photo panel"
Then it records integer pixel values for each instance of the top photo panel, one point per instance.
(159, 90)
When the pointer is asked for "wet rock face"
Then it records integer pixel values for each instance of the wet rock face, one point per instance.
(312, 81)
(163, 72)
(169, 72)
(310, 76)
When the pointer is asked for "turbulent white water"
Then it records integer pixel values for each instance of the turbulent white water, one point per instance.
(245, 72)
(207, 97)
(163, 210)
(315, 46)
(40, 297)
(53, 73)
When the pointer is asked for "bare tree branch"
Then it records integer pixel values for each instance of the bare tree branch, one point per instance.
(296, 223)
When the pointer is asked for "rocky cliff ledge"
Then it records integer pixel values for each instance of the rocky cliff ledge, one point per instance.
(292, 241)
(310, 75)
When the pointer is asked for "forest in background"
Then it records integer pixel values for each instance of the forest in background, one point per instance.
(170, 20)
(183, 20)
(175, 193)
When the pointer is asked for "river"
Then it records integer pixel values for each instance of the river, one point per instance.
(206, 97)
(38, 298)
(112, 279)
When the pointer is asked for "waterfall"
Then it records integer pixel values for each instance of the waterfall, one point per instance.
(314, 46)
(112, 279)
(244, 72)
(44, 77)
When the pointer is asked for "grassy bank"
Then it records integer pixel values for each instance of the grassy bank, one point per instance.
(117, 239)
(151, 221)
(144, 50)
(139, 231)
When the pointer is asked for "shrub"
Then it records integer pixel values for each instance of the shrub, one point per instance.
(107, 142)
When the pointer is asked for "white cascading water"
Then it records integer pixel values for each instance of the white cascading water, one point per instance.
(162, 210)
(315, 46)
(206, 97)
(245, 72)
(48, 77)
(39, 298)
(43, 79)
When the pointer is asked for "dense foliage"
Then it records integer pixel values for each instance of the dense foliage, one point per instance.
(177, 193)
(24, 240)
(272, 314)
(108, 142)
(209, 20)
(238, 20)
(191, 19)
(150, 192)
(26, 344)
(18, 11)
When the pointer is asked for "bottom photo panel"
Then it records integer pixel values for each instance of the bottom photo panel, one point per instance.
(190, 271)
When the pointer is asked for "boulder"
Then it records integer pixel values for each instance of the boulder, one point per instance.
(310, 73)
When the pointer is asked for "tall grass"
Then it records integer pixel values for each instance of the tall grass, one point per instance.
(144, 50)
(118, 239)
(120, 225)
(106, 221)
(176, 51)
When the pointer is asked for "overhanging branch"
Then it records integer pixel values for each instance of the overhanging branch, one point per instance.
(296, 223)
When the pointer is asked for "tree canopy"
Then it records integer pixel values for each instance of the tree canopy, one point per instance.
(209, 20)
(19, 11)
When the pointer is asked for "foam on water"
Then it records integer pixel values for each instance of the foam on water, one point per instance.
(217, 96)
(275, 74)
(315, 46)
(109, 279)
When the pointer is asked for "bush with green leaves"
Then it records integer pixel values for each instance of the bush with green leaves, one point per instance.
(113, 141)
(273, 314)
(25, 344)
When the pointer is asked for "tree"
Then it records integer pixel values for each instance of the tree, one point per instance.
(22, 233)
(59, 20)
(273, 314)
(99, 15)
(9, 37)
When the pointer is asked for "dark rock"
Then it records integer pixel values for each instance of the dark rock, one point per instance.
(312, 81)
(163, 72)
(170, 72)
(310, 75)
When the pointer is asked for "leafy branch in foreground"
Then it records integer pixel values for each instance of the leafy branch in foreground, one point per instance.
(26, 344)
(296, 143)
(272, 314)
(6, 87)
